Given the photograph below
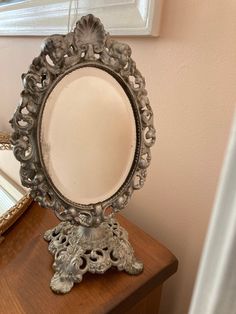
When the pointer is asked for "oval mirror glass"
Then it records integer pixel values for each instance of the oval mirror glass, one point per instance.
(87, 136)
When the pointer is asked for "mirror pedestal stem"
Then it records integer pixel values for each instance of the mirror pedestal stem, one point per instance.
(79, 249)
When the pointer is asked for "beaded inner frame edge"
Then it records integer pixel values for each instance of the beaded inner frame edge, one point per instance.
(87, 45)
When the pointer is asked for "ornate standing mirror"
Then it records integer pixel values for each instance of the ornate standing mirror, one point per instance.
(14, 199)
(82, 134)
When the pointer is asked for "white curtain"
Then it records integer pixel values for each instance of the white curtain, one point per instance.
(215, 288)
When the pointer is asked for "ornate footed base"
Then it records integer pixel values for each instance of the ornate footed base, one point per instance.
(79, 249)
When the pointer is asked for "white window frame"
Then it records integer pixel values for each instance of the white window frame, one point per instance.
(46, 17)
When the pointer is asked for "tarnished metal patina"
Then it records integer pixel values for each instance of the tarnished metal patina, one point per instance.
(87, 45)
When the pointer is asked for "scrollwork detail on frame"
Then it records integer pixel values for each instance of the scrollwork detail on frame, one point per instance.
(87, 45)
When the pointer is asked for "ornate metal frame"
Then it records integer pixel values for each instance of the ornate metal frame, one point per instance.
(87, 45)
(11, 216)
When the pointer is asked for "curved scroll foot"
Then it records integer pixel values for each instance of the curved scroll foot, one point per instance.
(135, 268)
(78, 250)
(60, 285)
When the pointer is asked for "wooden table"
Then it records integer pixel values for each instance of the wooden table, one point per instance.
(26, 271)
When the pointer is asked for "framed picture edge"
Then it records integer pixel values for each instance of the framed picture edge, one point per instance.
(42, 18)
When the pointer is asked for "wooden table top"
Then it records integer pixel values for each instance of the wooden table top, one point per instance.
(26, 271)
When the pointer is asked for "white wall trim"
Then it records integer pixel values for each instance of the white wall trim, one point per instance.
(215, 288)
(46, 17)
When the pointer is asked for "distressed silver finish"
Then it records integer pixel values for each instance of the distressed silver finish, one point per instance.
(87, 45)
(81, 249)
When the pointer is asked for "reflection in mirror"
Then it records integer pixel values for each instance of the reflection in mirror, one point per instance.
(10, 193)
(14, 199)
(88, 135)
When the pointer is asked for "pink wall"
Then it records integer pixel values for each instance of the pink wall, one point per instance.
(191, 77)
